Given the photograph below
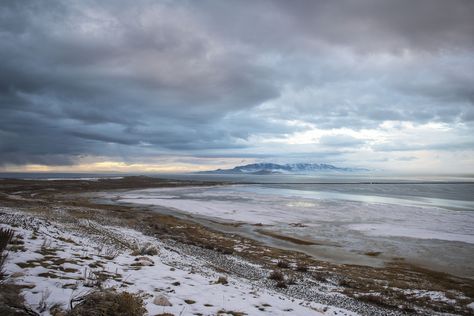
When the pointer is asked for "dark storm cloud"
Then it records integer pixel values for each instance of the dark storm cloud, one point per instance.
(120, 78)
(366, 25)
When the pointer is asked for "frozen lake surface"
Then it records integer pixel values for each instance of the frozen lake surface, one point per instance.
(427, 224)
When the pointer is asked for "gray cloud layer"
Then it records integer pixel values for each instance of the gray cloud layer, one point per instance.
(123, 79)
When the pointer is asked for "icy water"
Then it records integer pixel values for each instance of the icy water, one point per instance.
(427, 223)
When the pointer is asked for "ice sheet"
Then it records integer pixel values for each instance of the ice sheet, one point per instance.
(369, 218)
(442, 239)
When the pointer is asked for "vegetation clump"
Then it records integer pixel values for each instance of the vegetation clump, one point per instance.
(222, 280)
(108, 303)
(283, 264)
(6, 236)
(276, 276)
(11, 301)
(301, 267)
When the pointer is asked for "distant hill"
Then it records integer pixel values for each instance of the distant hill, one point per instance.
(273, 168)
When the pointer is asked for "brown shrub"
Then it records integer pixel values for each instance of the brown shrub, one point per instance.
(301, 267)
(283, 264)
(108, 303)
(276, 275)
(227, 251)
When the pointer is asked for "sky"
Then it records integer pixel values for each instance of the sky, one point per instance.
(177, 86)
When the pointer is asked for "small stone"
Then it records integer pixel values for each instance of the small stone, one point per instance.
(143, 258)
(143, 262)
(161, 300)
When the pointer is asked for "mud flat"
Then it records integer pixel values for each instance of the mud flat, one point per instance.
(62, 233)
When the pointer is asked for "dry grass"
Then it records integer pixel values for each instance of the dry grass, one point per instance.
(374, 299)
(301, 267)
(6, 236)
(11, 302)
(283, 264)
(108, 303)
(276, 276)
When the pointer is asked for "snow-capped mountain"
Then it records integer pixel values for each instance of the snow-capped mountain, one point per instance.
(273, 168)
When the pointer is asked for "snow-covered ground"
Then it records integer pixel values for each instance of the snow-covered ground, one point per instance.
(58, 263)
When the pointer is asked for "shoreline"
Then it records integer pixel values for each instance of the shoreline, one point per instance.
(397, 288)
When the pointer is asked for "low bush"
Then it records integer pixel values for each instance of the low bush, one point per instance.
(276, 276)
(108, 303)
(283, 264)
(301, 268)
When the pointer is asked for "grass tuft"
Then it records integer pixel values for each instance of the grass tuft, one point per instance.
(276, 276)
(6, 236)
(108, 303)
(301, 267)
(283, 264)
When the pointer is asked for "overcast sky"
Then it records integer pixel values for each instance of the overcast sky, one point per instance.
(99, 85)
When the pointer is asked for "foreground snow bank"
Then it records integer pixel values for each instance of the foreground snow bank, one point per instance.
(57, 263)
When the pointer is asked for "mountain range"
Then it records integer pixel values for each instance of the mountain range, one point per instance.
(273, 168)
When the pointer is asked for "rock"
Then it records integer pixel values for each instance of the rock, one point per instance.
(143, 261)
(143, 258)
(147, 249)
(161, 300)
(17, 275)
